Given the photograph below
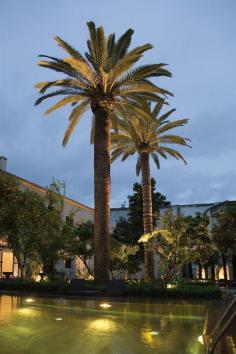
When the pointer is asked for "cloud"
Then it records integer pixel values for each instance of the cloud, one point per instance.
(195, 38)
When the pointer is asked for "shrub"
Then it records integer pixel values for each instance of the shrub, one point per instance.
(185, 290)
(30, 285)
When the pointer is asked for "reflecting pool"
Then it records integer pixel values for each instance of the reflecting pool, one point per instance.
(47, 326)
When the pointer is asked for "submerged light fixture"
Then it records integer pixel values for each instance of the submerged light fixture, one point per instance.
(29, 300)
(105, 305)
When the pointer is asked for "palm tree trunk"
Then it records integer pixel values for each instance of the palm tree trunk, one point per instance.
(213, 272)
(102, 187)
(147, 213)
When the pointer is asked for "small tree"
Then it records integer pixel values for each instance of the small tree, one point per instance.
(120, 258)
(224, 234)
(21, 215)
(128, 231)
(51, 240)
(80, 241)
(203, 252)
(169, 242)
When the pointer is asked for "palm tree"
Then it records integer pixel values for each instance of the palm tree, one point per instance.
(148, 138)
(102, 80)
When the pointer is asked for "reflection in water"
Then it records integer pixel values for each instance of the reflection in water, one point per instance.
(102, 325)
(83, 327)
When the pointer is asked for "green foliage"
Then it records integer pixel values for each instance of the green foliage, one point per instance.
(50, 241)
(120, 258)
(21, 219)
(31, 225)
(137, 135)
(194, 290)
(223, 233)
(35, 287)
(79, 241)
(129, 231)
(133, 288)
(203, 251)
(170, 243)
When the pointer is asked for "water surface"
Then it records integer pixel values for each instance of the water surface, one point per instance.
(59, 326)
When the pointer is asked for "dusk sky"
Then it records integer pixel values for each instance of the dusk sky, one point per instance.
(195, 37)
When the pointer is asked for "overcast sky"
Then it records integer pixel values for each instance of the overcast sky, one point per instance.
(195, 37)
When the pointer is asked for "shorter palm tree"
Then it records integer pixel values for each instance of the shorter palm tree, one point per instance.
(148, 138)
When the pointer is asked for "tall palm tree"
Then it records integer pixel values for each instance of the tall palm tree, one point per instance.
(148, 138)
(102, 80)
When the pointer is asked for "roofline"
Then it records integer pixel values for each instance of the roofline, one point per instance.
(189, 205)
(174, 205)
(218, 204)
(123, 208)
(39, 188)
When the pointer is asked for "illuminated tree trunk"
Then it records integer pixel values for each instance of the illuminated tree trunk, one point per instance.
(147, 214)
(101, 196)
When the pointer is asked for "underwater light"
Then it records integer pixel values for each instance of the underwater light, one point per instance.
(58, 319)
(29, 300)
(105, 306)
(154, 333)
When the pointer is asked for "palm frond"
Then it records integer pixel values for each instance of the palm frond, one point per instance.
(60, 66)
(123, 44)
(72, 83)
(141, 49)
(63, 102)
(111, 45)
(142, 72)
(92, 131)
(171, 125)
(164, 116)
(173, 139)
(156, 160)
(138, 166)
(174, 153)
(74, 120)
(121, 67)
(157, 108)
(56, 93)
(69, 49)
(84, 69)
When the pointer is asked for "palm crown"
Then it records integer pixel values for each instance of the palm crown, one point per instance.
(148, 135)
(103, 77)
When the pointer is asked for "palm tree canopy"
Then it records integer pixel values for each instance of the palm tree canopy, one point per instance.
(103, 77)
(138, 135)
